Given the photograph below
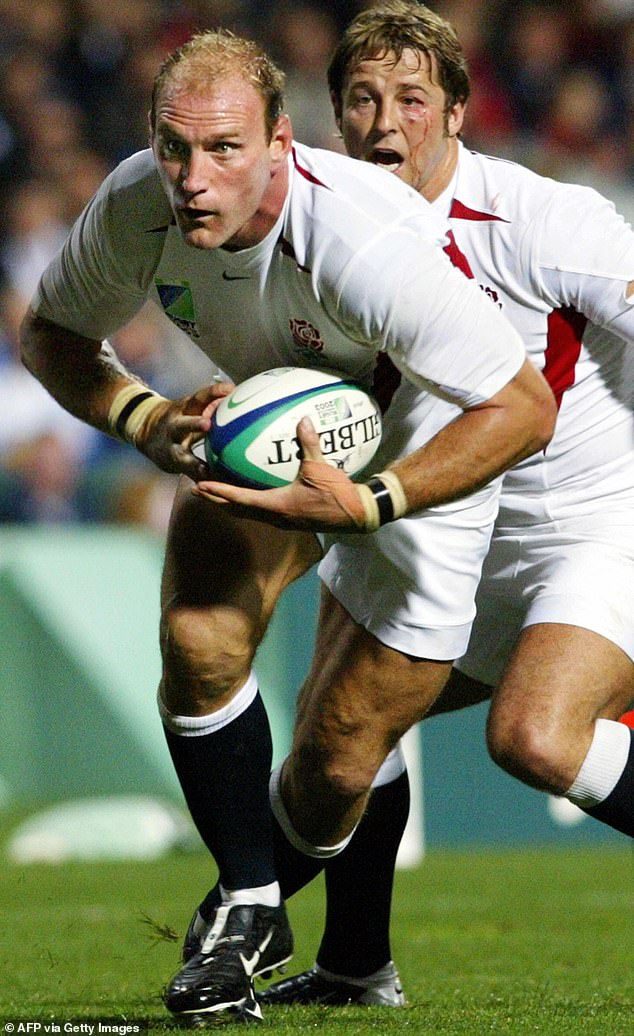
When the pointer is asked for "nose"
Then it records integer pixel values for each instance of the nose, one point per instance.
(195, 173)
(385, 117)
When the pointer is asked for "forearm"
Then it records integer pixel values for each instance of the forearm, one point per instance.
(480, 444)
(82, 375)
(89, 381)
(461, 459)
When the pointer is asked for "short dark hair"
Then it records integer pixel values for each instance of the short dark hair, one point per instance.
(392, 27)
(210, 55)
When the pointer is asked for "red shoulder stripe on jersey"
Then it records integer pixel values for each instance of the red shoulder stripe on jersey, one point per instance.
(564, 335)
(457, 257)
(305, 173)
(460, 211)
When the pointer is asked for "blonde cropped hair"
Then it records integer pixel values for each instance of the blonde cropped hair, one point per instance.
(216, 54)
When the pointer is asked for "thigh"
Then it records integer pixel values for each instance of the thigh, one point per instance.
(358, 700)
(358, 682)
(221, 580)
(568, 673)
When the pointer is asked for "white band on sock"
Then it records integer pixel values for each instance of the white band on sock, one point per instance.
(320, 852)
(197, 726)
(392, 767)
(603, 765)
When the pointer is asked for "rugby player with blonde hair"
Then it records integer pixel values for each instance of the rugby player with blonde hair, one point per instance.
(241, 236)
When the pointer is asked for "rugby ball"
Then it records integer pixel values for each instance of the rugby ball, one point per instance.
(253, 438)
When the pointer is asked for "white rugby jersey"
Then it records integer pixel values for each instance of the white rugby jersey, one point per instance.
(556, 259)
(354, 265)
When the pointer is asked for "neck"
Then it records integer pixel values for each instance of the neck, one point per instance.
(262, 221)
(443, 173)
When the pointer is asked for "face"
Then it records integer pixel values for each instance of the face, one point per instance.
(393, 115)
(225, 181)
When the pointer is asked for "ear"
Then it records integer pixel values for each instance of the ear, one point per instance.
(281, 140)
(455, 119)
(150, 138)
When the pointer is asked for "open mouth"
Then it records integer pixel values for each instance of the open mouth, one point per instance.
(386, 158)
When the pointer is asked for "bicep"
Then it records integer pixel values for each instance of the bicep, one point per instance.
(527, 391)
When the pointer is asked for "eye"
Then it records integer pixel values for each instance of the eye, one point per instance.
(360, 100)
(224, 148)
(172, 148)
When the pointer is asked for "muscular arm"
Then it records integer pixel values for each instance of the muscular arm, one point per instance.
(85, 376)
(481, 443)
(82, 374)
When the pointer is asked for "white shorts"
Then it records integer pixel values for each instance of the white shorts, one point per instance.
(577, 571)
(412, 583)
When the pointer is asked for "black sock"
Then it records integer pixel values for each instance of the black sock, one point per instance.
(225, 780)
(356, 939)
(617, 810)
(294, 869)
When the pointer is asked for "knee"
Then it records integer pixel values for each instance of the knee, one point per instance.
(346, 779)
(207, 655)
(530, 748)
(338, 769)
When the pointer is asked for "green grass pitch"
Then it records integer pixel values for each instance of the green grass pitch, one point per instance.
(523, 941)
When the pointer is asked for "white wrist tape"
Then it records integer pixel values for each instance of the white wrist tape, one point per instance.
(383, 499)
(129, 410)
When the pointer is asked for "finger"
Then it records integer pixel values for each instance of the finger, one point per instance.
(211, 408)
(219, 390)
(225, 492)
(197, 491)
(309, 440)
(183, 429)
(184, 462)
(200, 400)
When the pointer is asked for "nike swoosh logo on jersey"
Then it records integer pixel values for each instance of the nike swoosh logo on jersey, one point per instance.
(234, 277)
(249, 963)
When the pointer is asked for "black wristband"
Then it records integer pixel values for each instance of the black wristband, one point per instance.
(128, 409)
(383, 498)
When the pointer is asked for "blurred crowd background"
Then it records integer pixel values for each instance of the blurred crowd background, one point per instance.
(553, 87)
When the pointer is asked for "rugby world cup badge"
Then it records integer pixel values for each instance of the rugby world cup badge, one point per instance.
(177, 302)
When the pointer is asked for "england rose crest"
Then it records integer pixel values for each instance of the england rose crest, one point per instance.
(305, 335)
